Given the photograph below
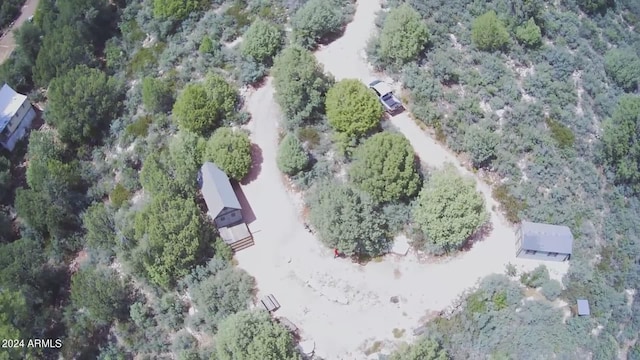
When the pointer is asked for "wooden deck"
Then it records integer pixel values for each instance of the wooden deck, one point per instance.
(238, 236)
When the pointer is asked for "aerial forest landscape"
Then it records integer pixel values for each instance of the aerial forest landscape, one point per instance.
(320, 179)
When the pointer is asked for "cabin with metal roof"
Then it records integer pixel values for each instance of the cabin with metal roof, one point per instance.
(223, 206)
(544, 242)
(16, 116)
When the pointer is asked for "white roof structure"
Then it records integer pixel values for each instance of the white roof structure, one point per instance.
(382, 87)
(10, 102)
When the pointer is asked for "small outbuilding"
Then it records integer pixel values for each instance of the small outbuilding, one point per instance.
(544, 242)
(583, 308)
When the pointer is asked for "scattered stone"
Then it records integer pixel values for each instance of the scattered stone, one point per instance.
(394, 299)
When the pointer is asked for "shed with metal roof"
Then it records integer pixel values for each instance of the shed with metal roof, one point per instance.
(544, 241)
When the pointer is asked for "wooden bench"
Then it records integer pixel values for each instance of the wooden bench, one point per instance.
(270, 303)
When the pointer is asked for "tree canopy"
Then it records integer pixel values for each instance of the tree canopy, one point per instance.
(100, 294)
(250, 335)
(621, 141)
(201, 107)
(449, 209)
(292, 157)
(231, 151)
(82, 103)
(173, 236)
(347, 220)
(404, 35)
(300, 85)
(489, 33)
(384, 166)
(316, 20)
(262, 41)
(174, 170)
(353, 109)
(13, 314)
(61, 50)
(623, 66)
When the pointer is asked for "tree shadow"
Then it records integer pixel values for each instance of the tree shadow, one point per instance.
(247, 212)
(256, 165)
(480, 234)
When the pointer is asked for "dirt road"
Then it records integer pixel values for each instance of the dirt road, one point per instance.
(345, 308)
(7, 42)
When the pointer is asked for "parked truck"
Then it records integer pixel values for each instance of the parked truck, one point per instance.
(389, 101)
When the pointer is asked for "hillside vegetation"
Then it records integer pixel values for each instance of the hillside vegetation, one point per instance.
(104, 241)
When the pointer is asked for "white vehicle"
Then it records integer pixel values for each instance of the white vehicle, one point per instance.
(390, 102)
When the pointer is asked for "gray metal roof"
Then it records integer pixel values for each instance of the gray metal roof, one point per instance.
(10, 102)
(216, 189)
(546, 237)
(583, 307)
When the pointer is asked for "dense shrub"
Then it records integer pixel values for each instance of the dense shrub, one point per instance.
(404, 35)
(535, 278)
(318, 20)
(292, 158)
(262, 41)
(140, 127)
(177, 9)
(529, 34)
(119, 195)
(384, 167)
(352, 109)
(218, 291)
(551, 289)
(563, 136)
(449, 209)
(489, 33)
(480, 141)
(157, 94)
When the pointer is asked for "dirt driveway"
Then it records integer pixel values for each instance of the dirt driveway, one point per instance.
(344, 307)
(7, 42)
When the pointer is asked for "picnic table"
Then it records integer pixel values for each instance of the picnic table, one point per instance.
(270, 303)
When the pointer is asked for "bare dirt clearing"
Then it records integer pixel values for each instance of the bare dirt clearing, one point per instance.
(344, 307)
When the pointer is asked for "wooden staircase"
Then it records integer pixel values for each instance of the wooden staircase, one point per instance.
(242, 244)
